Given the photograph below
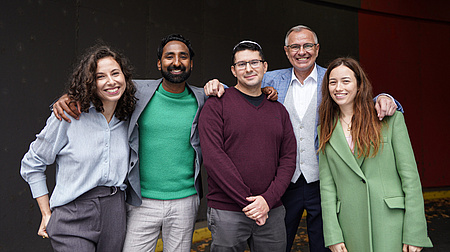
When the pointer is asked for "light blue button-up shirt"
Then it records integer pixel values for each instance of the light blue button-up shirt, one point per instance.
(88, 152)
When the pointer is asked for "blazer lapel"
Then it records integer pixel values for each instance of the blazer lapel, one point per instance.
(145, 91)
(340, 146)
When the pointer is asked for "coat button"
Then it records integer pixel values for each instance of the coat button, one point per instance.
(362, 180)
(132, 163)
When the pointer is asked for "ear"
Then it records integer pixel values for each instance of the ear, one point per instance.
(192, 64)
(158, 64)
(318, 47)
(286, 50)
(266, 65)
(233, 71)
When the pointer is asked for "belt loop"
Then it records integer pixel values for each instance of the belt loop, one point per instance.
(113, 190)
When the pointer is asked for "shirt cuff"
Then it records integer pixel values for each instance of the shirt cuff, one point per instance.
(388, 95)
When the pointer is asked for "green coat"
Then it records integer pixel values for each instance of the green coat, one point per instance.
(372, 204)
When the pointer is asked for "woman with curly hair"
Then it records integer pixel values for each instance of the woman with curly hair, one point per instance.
(370, 189)
(86, 211)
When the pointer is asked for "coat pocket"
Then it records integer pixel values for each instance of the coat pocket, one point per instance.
(395, 202)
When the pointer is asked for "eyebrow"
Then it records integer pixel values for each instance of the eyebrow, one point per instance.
(182, 53)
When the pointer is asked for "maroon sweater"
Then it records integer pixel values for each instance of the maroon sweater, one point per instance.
(247, 150)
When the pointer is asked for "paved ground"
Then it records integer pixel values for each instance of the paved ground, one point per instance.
(438, 217)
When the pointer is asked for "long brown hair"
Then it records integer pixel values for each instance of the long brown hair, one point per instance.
(366, 128)
(83, 87)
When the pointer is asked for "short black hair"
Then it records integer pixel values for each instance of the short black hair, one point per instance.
(247, 45)
(177, 37)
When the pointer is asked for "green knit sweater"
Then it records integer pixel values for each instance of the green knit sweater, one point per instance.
(166, 156)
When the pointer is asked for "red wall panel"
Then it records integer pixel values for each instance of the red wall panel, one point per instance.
(409, 58)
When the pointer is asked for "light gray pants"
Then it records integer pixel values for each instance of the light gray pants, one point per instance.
(95, 221)
(176, 218)
(233, 231)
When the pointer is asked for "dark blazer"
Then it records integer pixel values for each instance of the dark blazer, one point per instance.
(145, 91)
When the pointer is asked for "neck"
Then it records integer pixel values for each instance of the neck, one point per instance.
(108, 110)
(302, 75)
(346, 112)
(175, 88)
(249, 90)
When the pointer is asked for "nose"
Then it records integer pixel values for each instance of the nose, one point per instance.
(248, 68)
(110, 79)
(301, 50)
(339, 86)
(176, 61)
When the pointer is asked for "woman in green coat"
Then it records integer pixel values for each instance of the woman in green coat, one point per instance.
(370, 188)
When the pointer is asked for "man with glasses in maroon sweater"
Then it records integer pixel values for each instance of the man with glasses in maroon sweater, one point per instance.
(249, 152)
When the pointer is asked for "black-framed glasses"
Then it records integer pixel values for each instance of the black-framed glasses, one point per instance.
(243, 64)
(306, 47)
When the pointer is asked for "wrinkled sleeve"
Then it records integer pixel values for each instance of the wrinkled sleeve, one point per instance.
(414, 224)
(43, 152)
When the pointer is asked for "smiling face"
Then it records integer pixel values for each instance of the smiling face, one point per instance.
(175, 63)
(343, 86)
(110, 81)
(250, 77)
(302, 60)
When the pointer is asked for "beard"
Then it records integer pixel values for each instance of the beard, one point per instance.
(176, 78)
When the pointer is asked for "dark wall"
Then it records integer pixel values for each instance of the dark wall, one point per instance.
(40, 40)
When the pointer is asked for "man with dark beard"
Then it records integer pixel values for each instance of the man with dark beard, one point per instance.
(164, 184)
(166, 178)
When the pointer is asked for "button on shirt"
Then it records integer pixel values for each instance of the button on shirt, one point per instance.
(303, 93)
(88, 152)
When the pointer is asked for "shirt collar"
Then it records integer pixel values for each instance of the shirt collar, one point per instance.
(312, 76)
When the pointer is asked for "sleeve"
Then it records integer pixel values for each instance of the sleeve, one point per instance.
(332, 231)
(43, 152)
(399, 106)
(286, 164)
(218, 165)
(414, 224)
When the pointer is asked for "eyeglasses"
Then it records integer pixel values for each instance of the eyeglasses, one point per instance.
(306, 47)
(243, 64)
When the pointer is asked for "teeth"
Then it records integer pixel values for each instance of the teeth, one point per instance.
(112, 90)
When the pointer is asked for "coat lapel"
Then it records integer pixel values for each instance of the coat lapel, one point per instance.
(340, 146)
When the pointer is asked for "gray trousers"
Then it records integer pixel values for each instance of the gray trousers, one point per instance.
(95, 221)
(233, 231)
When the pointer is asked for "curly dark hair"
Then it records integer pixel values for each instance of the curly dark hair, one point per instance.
(83, 86)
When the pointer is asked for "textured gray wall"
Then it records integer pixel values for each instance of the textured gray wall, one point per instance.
(40, 40)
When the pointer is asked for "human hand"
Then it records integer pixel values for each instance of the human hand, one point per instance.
(73, 108)
(385, 106)
(339, 247)
(271, 93)
(411, 248)
(44, 206)
(43, 227)
(257, 209)
(261, 221)
(214, 88)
